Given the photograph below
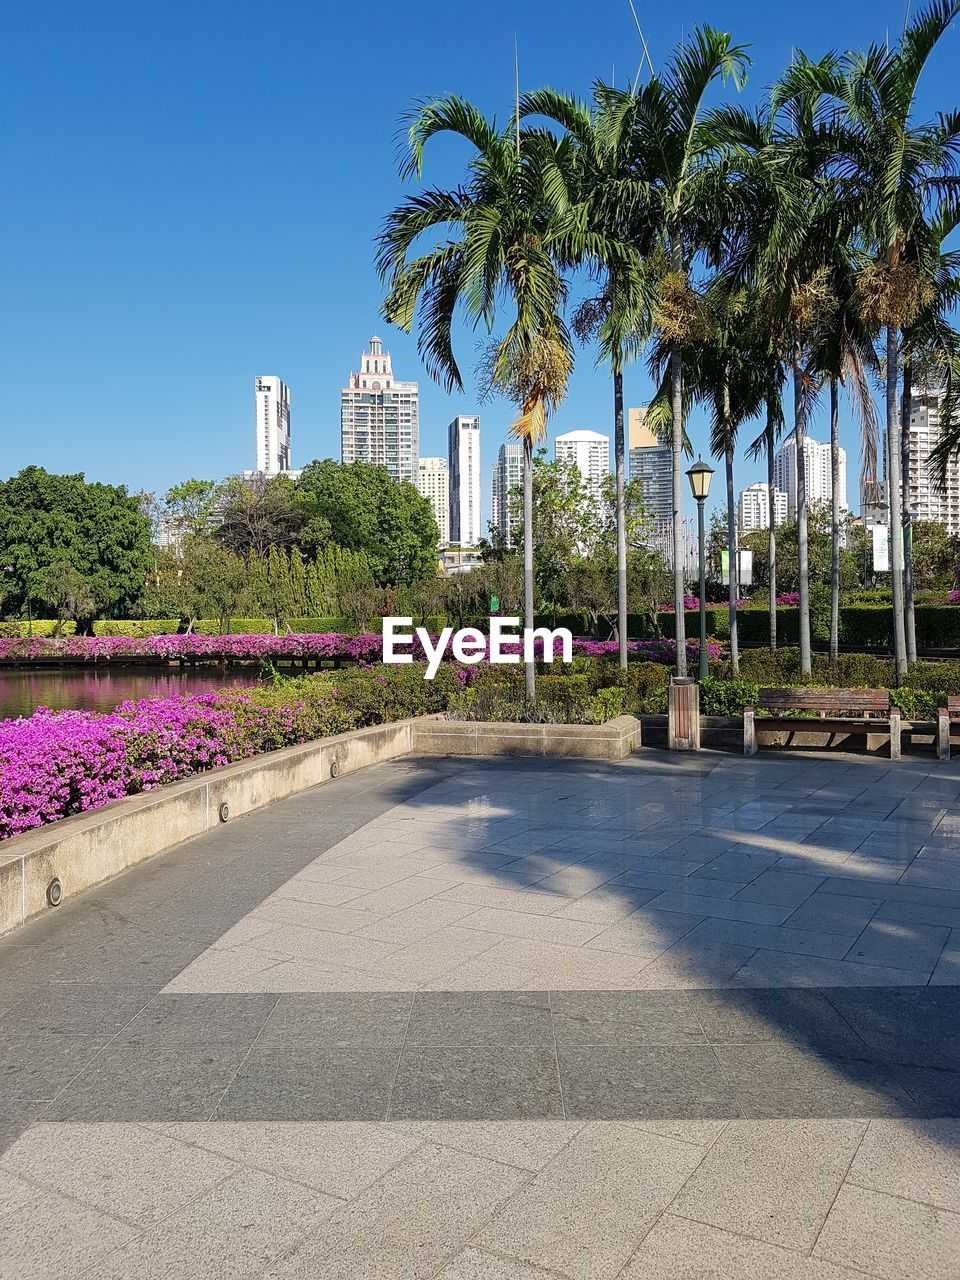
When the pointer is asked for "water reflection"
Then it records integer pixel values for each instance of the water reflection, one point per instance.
(22, 691)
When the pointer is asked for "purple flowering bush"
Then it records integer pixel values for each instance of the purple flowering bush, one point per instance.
(238, 648)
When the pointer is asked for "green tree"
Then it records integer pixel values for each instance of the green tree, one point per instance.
(257, 513)
(189, 508)
(100, 530)
(361, 509)
(504, 235)
(65, 592)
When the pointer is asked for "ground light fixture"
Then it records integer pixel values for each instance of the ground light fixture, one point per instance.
(700, 475)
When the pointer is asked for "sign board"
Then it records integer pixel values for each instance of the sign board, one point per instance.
(744, 568)
(881, 548)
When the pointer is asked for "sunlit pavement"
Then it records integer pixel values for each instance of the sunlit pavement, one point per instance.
(684, 1016)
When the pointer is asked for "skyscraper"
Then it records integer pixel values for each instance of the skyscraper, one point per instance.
(755, 507)
(589, 452)
(927, 502)
(380, 417)
(816, 466)
(433, 481)
(651, 462)
(271, 399)
(463, 453)
(507, 479)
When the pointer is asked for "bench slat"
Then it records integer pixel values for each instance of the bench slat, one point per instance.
(838, 700)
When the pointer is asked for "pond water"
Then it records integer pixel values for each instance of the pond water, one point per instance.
(22, 691)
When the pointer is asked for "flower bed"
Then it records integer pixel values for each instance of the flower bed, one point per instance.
(264, 648)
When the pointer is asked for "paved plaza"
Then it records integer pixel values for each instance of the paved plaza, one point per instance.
(684, 1016)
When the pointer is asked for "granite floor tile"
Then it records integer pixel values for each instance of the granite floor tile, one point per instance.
(124, 1170)
(149, 1082)
(784, 1081)
(481, 1019)
(913, 1025)
(84, 1239)
(684, 1250)
(639, 1082)
(624, 1018)
(834, 913)
(525, 1144)
(340, 1158)
(645, 933)
(780, 969)
(773, 1180)
(302, 1082)
(781, 888)
(890, 1238)
(913, 1159)
(800, 1017)
(73, 1009)
(200, 1019)
(584, 1215)
(478, 1264)
(410, 1223)
(36, 1068)
(703, 904)
(505, 1082)
(338, 1020)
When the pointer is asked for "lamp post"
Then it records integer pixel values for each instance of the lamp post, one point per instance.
(700, 476)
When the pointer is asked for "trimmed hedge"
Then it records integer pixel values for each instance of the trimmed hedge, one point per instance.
(137, 628)
(43, 627)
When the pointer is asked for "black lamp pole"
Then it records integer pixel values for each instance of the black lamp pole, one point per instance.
(700, 476)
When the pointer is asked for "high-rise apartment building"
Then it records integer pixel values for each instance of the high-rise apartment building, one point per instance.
(271, 399)
(380, 416)
(754, 507)
(463, 455)
(589, 452)
(651, 462)
(816, 465)
(433, 481)
(507, 481)
(927, 501)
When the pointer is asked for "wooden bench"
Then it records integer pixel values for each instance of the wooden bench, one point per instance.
(946, 716)
(837, 711)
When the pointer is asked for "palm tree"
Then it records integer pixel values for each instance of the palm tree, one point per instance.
(676, 148)
(896, 170)
(610, 203)
(505, 234)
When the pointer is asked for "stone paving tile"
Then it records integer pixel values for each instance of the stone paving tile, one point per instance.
(772, 1180)
(803, 942)
(645, 933)
(783, 1081)
(586, 1212)
(780, 969)
(481, 1019)
(801, 1017)
(73, 1009)
(519, 924)
(282, 1081)
(684, 1250)
(644, 1082)
(239, 1228)
(479, 1264)
(339, 1158)
(916, 947)
(890, 1238)
(36, 1068)
(624, 1017)
(409, 1223)
(52, 1238)
(123, 1170)
(914, 1160)
(718, 907)
(834, 913)
(919, 1025)
(525, 1144)
(224, 1020)
(340, 1020)
(505, 1082)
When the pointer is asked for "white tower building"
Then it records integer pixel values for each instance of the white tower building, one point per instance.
(380, 416)
(433, 481)
(816, 458)
(271, 399)
(507, 479)
(927, 502)
(754, 510)
(589, 452)
(463, 453)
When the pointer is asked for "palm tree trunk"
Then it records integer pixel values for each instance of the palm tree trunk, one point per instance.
(803, 564)
(676, 396)
(732, 557)
(618, 450)
(771, 526)
(893, 507)
(834, 522)
(529, 670)
(906, 518)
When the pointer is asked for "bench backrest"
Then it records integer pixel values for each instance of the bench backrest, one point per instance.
(838, 701)
(953, 704)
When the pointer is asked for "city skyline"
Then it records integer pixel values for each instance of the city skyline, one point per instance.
(90, 304)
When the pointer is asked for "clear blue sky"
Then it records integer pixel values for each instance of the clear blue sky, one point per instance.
(191, 191)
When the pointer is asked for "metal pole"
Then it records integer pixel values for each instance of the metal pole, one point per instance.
(702, 671)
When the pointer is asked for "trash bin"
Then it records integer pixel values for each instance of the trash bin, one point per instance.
(683, 714)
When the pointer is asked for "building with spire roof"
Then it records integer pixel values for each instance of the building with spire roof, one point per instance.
(380, 416)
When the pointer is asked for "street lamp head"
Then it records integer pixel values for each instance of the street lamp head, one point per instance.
(700, 476)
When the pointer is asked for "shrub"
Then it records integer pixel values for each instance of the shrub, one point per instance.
(137, 628)
(499, 694)
(238, 626)
(726, 697)
(42, 627)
